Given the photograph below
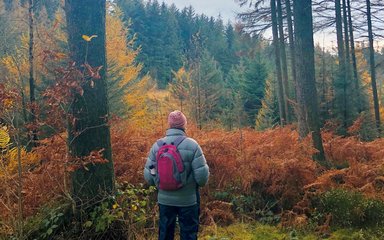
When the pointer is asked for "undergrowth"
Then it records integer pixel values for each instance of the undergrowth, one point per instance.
(266, 176)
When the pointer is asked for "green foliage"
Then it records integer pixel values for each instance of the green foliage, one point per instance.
(127, 214)
(246, 85)
(165, 35)
(207, 90)
(253, 231)
(358, 234)
(234, 111)
(51, 224)
(48, 222)
(241, 231)
(103, 216)
(131, 205)
(267, 116)
(253, 87)
(249, 205)
(352, 209)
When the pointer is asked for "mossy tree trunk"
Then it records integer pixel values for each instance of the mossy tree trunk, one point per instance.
(88, 128)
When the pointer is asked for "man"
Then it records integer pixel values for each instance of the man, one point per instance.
(183, 202)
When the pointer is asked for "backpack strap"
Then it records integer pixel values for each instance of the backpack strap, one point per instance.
(177, 141)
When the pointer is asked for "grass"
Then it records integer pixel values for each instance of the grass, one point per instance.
(256, 231)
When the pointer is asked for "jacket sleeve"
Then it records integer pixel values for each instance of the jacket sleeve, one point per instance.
(200, 168)
(151, 161)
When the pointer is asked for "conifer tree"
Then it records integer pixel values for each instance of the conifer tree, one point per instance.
(208, 87)
(123, 69)
(253, 87)
(267, 116)
(234, 115)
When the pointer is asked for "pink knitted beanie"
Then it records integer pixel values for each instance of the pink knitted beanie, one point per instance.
(177, 119)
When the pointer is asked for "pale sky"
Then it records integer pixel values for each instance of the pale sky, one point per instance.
(226, 8)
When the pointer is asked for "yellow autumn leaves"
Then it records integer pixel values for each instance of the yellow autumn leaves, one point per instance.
(9, 155)
(4, 138)
(88, 38)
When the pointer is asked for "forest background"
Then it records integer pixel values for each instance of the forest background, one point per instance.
(248, 101)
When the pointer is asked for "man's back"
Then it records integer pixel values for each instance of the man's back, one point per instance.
(196, 171)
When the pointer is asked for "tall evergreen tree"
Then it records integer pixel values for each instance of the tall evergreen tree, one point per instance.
(208, 89)
(267, 116)
(252, 89)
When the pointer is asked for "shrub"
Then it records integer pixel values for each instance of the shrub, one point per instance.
(352, 209)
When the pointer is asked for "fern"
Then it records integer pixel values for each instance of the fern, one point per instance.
(4, 138)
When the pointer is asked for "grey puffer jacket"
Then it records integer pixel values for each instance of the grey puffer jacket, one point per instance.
(196, 171)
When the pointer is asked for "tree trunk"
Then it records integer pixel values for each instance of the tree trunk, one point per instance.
(275, 35)
(323, 98)
(283, 60)
(199, 98)
(291, 39)
(32, 98)
(307, 93)
(350, 108)
(300, 114)
(89, 129)
(372, 67)
(356, 85)
(341, 96)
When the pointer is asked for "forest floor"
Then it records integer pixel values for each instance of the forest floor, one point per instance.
(256, 231)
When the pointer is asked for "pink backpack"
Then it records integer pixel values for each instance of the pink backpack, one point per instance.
(169, 165)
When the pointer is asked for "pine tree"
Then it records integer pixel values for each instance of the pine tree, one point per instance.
(267, 116)
(208, 87)
(181, 86)
(253, 87)
(234, 115)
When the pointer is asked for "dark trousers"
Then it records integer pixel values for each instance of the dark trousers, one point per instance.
(188, 222)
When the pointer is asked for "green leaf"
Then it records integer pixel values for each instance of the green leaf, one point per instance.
(88, 224)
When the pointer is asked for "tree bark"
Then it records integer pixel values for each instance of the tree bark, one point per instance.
(341, 97)
(283, 60)
(350, 108)
(32, 98)
(356, 84)
(372, 68)
(89, 130)
(307, 93)
(300, 114)
(275, 36)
